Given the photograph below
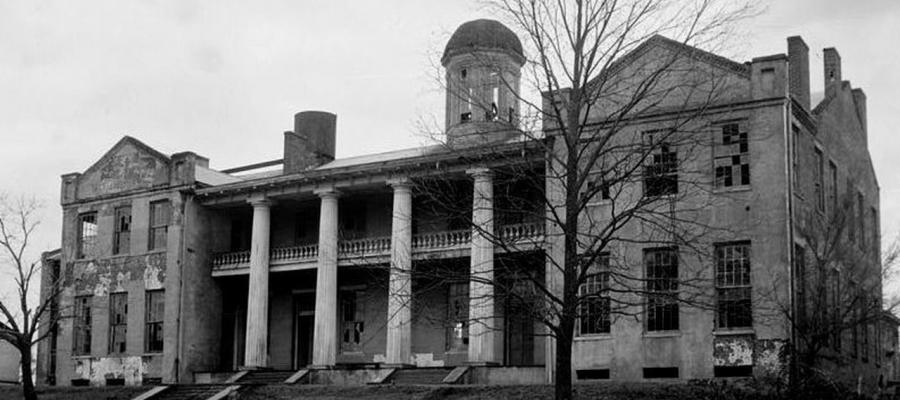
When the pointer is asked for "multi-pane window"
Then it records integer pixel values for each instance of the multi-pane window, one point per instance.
(820, 180)
(118, 322)
(154, 313)
(661, 171)
(352, 320)
(662, 289)
(733, 285)
(732, 157)
(458, 316)
(160, 212)
(122, 231)
(598, 189)
(87, 234)
(594, 303)
(82, 326)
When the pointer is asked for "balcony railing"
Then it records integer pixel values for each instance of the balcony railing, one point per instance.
(527, 233)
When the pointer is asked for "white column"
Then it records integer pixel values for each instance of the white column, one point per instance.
(399, 315)
(482, 318)
(325, 333)
(256, 348)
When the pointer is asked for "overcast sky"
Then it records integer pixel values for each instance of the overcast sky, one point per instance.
(224, 78)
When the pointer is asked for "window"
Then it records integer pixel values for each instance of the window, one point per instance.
(661, 173)
(820, 180)
(122, 231)
(597, 188)
(160, 213)
(732, 157)
(154, 314)
(795, 157)
(662, 289)
(851, 213)
(352, 320)
(860, 219)
(87, 234)
(873, 227)
(118, 322)
(591, 374)
(458, 310)
(733, 285)
(594, 303)
(82, 326)
(832, 169)
(800, 281)
(652, 373)
(733, 371)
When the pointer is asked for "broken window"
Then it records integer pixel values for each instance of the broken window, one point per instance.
(733, 285)
(82, 326)
(661, 173)
(87, 234)
(352, 320)
(594, 301)
(160, 212)
(662, 288)
(820, 180)
(732, 157)
(122, 231)
(597, 188)
(458, 316)
(154, 313)
(118, 322)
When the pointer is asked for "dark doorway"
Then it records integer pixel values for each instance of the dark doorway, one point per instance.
(519, 325)
(304, 318)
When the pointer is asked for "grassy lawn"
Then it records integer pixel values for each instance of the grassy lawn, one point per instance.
(76, 393)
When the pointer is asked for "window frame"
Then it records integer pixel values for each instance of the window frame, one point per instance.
(660, 170)
(739, 281)
(122, 230)
(731, 135)
(159, 208)
(594, 298)
(118, 327)
(154, 321)
(81, 326)
(819, 179)
(87, 244)
(458, 319)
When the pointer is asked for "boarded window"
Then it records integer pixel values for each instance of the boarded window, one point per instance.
(733, 285)
(353, 327)
(732, 157)
(458, 317)
(662, 289)
(160, 214)
(594, 302)
(87, 234)
(82, 326)
(154, 314)
(122, 232)
(118, 322)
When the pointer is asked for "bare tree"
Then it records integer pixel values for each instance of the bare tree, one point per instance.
(22, 322)
(597, 185)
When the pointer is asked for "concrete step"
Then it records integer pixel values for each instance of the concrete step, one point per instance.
(265, 377)
(188, 392)
(419, 376)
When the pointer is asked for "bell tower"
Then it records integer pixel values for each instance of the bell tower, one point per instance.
(483, 61)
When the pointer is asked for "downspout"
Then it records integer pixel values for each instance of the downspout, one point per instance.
(180, 263)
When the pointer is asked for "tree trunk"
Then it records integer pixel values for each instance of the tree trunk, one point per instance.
(28, 392)
(563, 383)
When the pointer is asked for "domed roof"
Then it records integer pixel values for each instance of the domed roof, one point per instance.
(482, 34)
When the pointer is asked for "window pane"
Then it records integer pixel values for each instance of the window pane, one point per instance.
(662, 287)
(732, 263)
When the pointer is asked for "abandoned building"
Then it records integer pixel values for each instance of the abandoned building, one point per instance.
(354, 270)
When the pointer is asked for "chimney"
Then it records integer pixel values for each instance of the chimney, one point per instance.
(798, 65)
(832, 70)
(312, 142)
(859, 98)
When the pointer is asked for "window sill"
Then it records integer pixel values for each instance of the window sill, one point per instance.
(661, 334)
(154, 354)
(734, 332)
(599, 203)
(732, 189)
(81, 356)
(592, 337)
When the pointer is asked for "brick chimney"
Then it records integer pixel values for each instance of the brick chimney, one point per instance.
(798, 66)
(832, 70)
(312, 141)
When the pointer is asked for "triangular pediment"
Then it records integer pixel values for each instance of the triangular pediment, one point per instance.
(129, 165)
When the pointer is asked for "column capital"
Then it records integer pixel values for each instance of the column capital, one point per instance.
(260, 201)
(480, 173)
(327, 193)
(400, 183)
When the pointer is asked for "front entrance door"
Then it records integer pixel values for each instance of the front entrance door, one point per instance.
(304, 317)
(519, 325)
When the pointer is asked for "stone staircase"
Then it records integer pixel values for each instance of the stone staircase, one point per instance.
(264, 377)
(419, 376)
(188, 392)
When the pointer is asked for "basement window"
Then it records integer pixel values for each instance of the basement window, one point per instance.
(660, 373)
(733, 371)
(115, 381)
(592, 374)
(80, 382)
